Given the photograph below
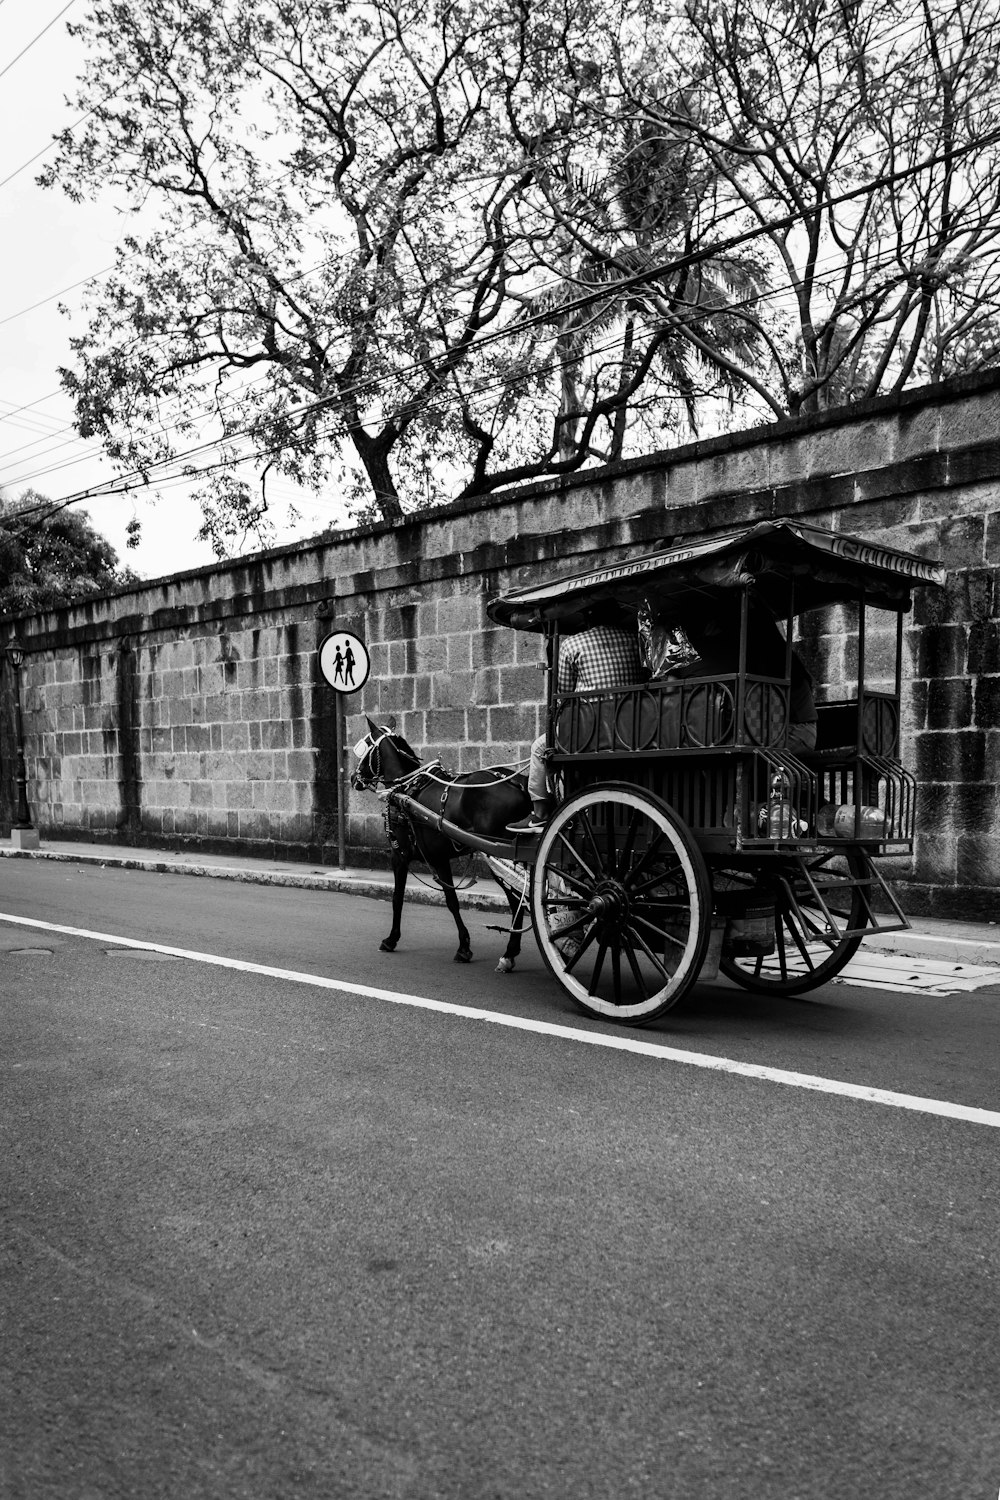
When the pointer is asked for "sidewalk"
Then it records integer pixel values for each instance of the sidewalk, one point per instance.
(959, 942)
(481, 895)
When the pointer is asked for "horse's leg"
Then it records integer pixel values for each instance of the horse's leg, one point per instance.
(518, 912)
(443, 873)
(400, 869)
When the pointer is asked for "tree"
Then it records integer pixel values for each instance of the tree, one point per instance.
(50, 555)
(356, 234)
(861, 140)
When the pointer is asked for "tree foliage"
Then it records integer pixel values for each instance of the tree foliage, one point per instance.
(861, 140)
(420, 250)
(357, 233)
(50, 555)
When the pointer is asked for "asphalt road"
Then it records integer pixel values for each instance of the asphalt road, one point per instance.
(266, 1239)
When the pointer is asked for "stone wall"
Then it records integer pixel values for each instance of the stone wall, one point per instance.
(190, 710)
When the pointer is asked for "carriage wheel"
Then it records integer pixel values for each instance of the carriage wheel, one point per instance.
(806, 953)
(621, 903)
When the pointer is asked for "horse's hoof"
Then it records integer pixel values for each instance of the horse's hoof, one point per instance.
(387, 946)
(505, 966)
(463, 956)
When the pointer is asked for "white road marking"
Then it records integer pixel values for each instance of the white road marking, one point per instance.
(861, 1092)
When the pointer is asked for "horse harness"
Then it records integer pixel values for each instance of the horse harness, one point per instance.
(399, 827)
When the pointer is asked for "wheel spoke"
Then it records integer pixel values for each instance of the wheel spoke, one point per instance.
(588, 829)
(595, 973)
(663, 877)
(571, 848)
(616, 971)
(650, 954)
(583, 888)
(789, 921)
(780, 935)
(633, 963)
(660, 932)
(650, 852)
(569, 964)
(628, 847)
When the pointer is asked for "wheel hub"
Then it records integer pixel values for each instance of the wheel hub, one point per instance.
(609, 901)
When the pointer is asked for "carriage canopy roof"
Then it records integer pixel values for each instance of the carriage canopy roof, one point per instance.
(785, 562)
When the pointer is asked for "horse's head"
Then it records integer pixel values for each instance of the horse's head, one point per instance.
(383, 757)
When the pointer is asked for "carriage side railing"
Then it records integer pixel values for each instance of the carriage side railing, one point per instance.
(694, 713)
(718, 757)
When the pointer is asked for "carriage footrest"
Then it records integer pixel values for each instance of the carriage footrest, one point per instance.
(870, 885)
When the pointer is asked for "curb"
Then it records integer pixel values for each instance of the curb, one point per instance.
(337, 880)
(975, 950)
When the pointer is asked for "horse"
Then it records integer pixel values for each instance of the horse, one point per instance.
(483, 802)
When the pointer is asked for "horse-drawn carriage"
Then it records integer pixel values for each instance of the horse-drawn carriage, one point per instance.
(687, 836)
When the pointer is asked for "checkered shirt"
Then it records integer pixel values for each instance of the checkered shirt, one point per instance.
(605, 656)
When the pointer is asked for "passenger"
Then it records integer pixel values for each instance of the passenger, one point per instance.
(716, 638)
(604, 655)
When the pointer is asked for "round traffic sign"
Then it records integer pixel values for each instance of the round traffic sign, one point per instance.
(344, 661)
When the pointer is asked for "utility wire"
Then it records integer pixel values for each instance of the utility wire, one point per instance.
(136, 480)
(34, 39)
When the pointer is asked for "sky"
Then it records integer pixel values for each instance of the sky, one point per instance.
(47, 246)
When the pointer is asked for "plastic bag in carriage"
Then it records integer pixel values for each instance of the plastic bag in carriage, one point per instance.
(664, 648)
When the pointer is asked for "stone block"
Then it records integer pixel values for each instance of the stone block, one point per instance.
(493, 647)
(459, 653)
(978, 864)
(951, 755)
(949, 703)
(935, 858)
(514, 723)
(986, 704)
(446, 725)
(431, 654)
(520, 685)
(413, 728)
(476, 725)
(975, 809)
(991, 543)
(983, 653)
(941, 651)
(396, 695)
(275, 735)
(461, 613)
(452, 689)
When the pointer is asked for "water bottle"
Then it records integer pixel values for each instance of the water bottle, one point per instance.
(780, 817)
(849, 822)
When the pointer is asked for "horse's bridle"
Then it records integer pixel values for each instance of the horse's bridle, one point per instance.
(374, 762)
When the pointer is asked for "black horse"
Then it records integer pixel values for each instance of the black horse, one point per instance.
(483, 802)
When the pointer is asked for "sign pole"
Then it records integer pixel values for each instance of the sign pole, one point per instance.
(344, 665)
(338, 731)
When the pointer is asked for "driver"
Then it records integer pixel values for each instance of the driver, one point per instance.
(604, 655)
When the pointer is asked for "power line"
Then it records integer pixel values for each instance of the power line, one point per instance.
(34, 39)
(136, 480)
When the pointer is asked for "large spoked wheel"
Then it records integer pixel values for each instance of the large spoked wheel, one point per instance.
(807, 952)
(621, 903)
